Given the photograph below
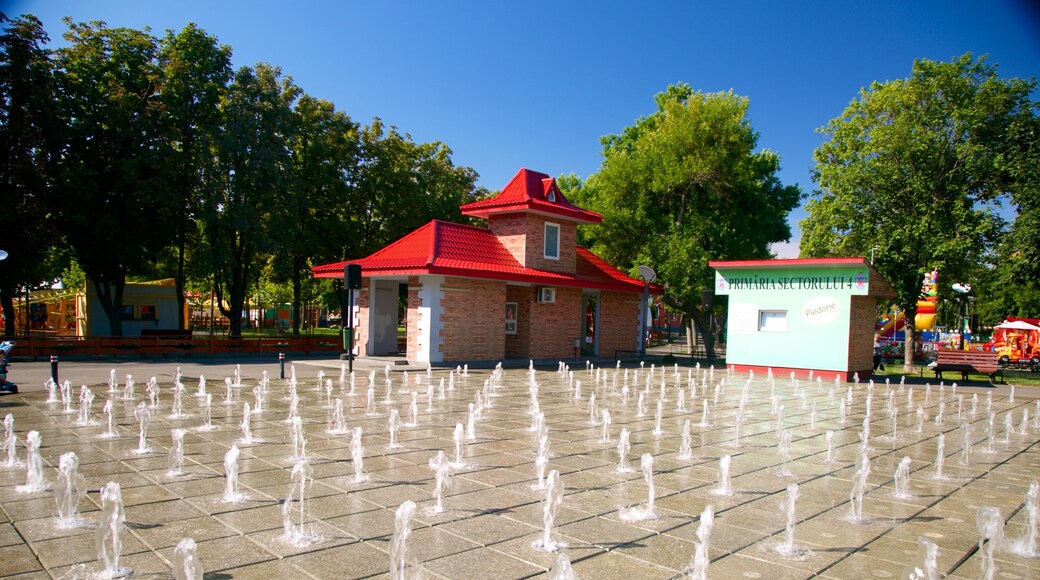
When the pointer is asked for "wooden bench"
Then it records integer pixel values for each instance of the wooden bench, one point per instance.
(965, 361)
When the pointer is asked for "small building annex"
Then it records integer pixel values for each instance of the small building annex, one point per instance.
(522, 287)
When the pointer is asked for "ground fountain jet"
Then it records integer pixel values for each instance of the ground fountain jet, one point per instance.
(231, 493)
(788, 548)
(186, 565)
(34, 480)
(647, 512)
(68, 490)
(357, 456)
(1027, 545)
(144, 417)
(725, 485)
(295, 528)
(176, 458)
(686, 442)
(109, 532)
(902, 479)
(403, 564)
(442, 478)
(622, 451)
(550, 509)
(701, 559)
(990, 525)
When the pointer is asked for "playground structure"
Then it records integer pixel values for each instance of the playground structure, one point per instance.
(1016, 341)
(894, 320)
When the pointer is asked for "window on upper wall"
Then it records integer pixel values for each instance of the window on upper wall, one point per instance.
(552, 241)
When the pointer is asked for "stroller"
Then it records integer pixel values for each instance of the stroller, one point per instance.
(5, 385)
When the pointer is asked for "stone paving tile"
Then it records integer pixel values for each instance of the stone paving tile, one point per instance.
(494, 516)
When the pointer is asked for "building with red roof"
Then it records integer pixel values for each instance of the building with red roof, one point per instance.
(522, 287)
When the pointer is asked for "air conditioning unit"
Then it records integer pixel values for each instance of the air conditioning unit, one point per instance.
(546, 296)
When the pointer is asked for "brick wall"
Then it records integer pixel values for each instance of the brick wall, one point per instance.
(863, 313)
(618, 322)
(473, 318)
(523, 235)
(555, 326)
(518, 344)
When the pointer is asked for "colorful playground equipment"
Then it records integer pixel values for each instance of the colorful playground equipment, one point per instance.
(1016, 341)
(894, 320)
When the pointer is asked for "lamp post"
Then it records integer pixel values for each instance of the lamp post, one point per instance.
(649, 276)
(962, 291)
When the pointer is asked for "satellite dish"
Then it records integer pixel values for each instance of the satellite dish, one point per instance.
(3, 255)
(647, 273)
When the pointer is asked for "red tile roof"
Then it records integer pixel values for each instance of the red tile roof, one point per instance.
(530, 191)
(451, 249)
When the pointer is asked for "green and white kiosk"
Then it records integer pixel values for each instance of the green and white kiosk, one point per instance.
(801, 315)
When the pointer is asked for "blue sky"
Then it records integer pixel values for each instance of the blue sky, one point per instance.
(536, 84)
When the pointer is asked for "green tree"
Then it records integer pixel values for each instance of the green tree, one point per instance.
(401, 185)
(913, 168)
(114, 205)
(683, 186)
(196, 70)
(30, 133)
(314, 208)
(250, 173)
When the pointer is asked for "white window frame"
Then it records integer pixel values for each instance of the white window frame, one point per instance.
(545, 241)
(772, 321)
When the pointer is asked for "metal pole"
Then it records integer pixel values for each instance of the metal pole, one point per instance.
(350, 330)
(281, 365)
(963, 319)
(642, 318)
(54, 368)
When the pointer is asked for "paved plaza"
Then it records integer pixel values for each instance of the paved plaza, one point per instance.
(494, 514)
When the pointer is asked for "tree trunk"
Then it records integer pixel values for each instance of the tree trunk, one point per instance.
(182, 303)
(910, 332)
(111, 299)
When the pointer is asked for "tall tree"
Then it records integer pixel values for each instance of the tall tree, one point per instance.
(402, 185)
(196, 70)
(913, 167)
(683, 186)
(30, 133)
(310, 212)
(115, 206)
(248, 177)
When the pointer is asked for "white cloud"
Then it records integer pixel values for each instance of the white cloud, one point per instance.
(785, 249)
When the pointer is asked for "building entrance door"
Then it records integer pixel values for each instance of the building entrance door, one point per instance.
(590, 324)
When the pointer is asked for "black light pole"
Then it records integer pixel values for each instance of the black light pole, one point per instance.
(708, 299)
(352, 281)
(648, 275)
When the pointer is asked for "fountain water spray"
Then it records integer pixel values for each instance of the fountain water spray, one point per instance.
(110, 431)
(787, 505)
(109, 532)
(686, 444)
(34, 481)
(10, 442)
(859, 487)
(207, 413)
(177, 410)
(701, 558)
(990, 525)
(1027, 545)
(657, 417)
(394, 425)
(68, 489)
(442, 478)
(829, 439)
(605, 422)
(541, 459)
(783, 449)
(176, 458)
(902, 479)
(86, 401)
(704, 414)
(247, 432)
(186, 565)
(357, 456)
(926, 567)
(639, 513)
(299, 442)
(471, 423)
(965, 444)
(550, 509)
(144, 417)
(295, 529)
(231, 493)
(460, 447)
(622, 450)
(562, 569)
(403, 565)
(725, 485)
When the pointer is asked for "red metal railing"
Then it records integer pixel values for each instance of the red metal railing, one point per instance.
(157, 346)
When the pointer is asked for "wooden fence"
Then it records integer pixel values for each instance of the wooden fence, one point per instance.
(165, 346)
